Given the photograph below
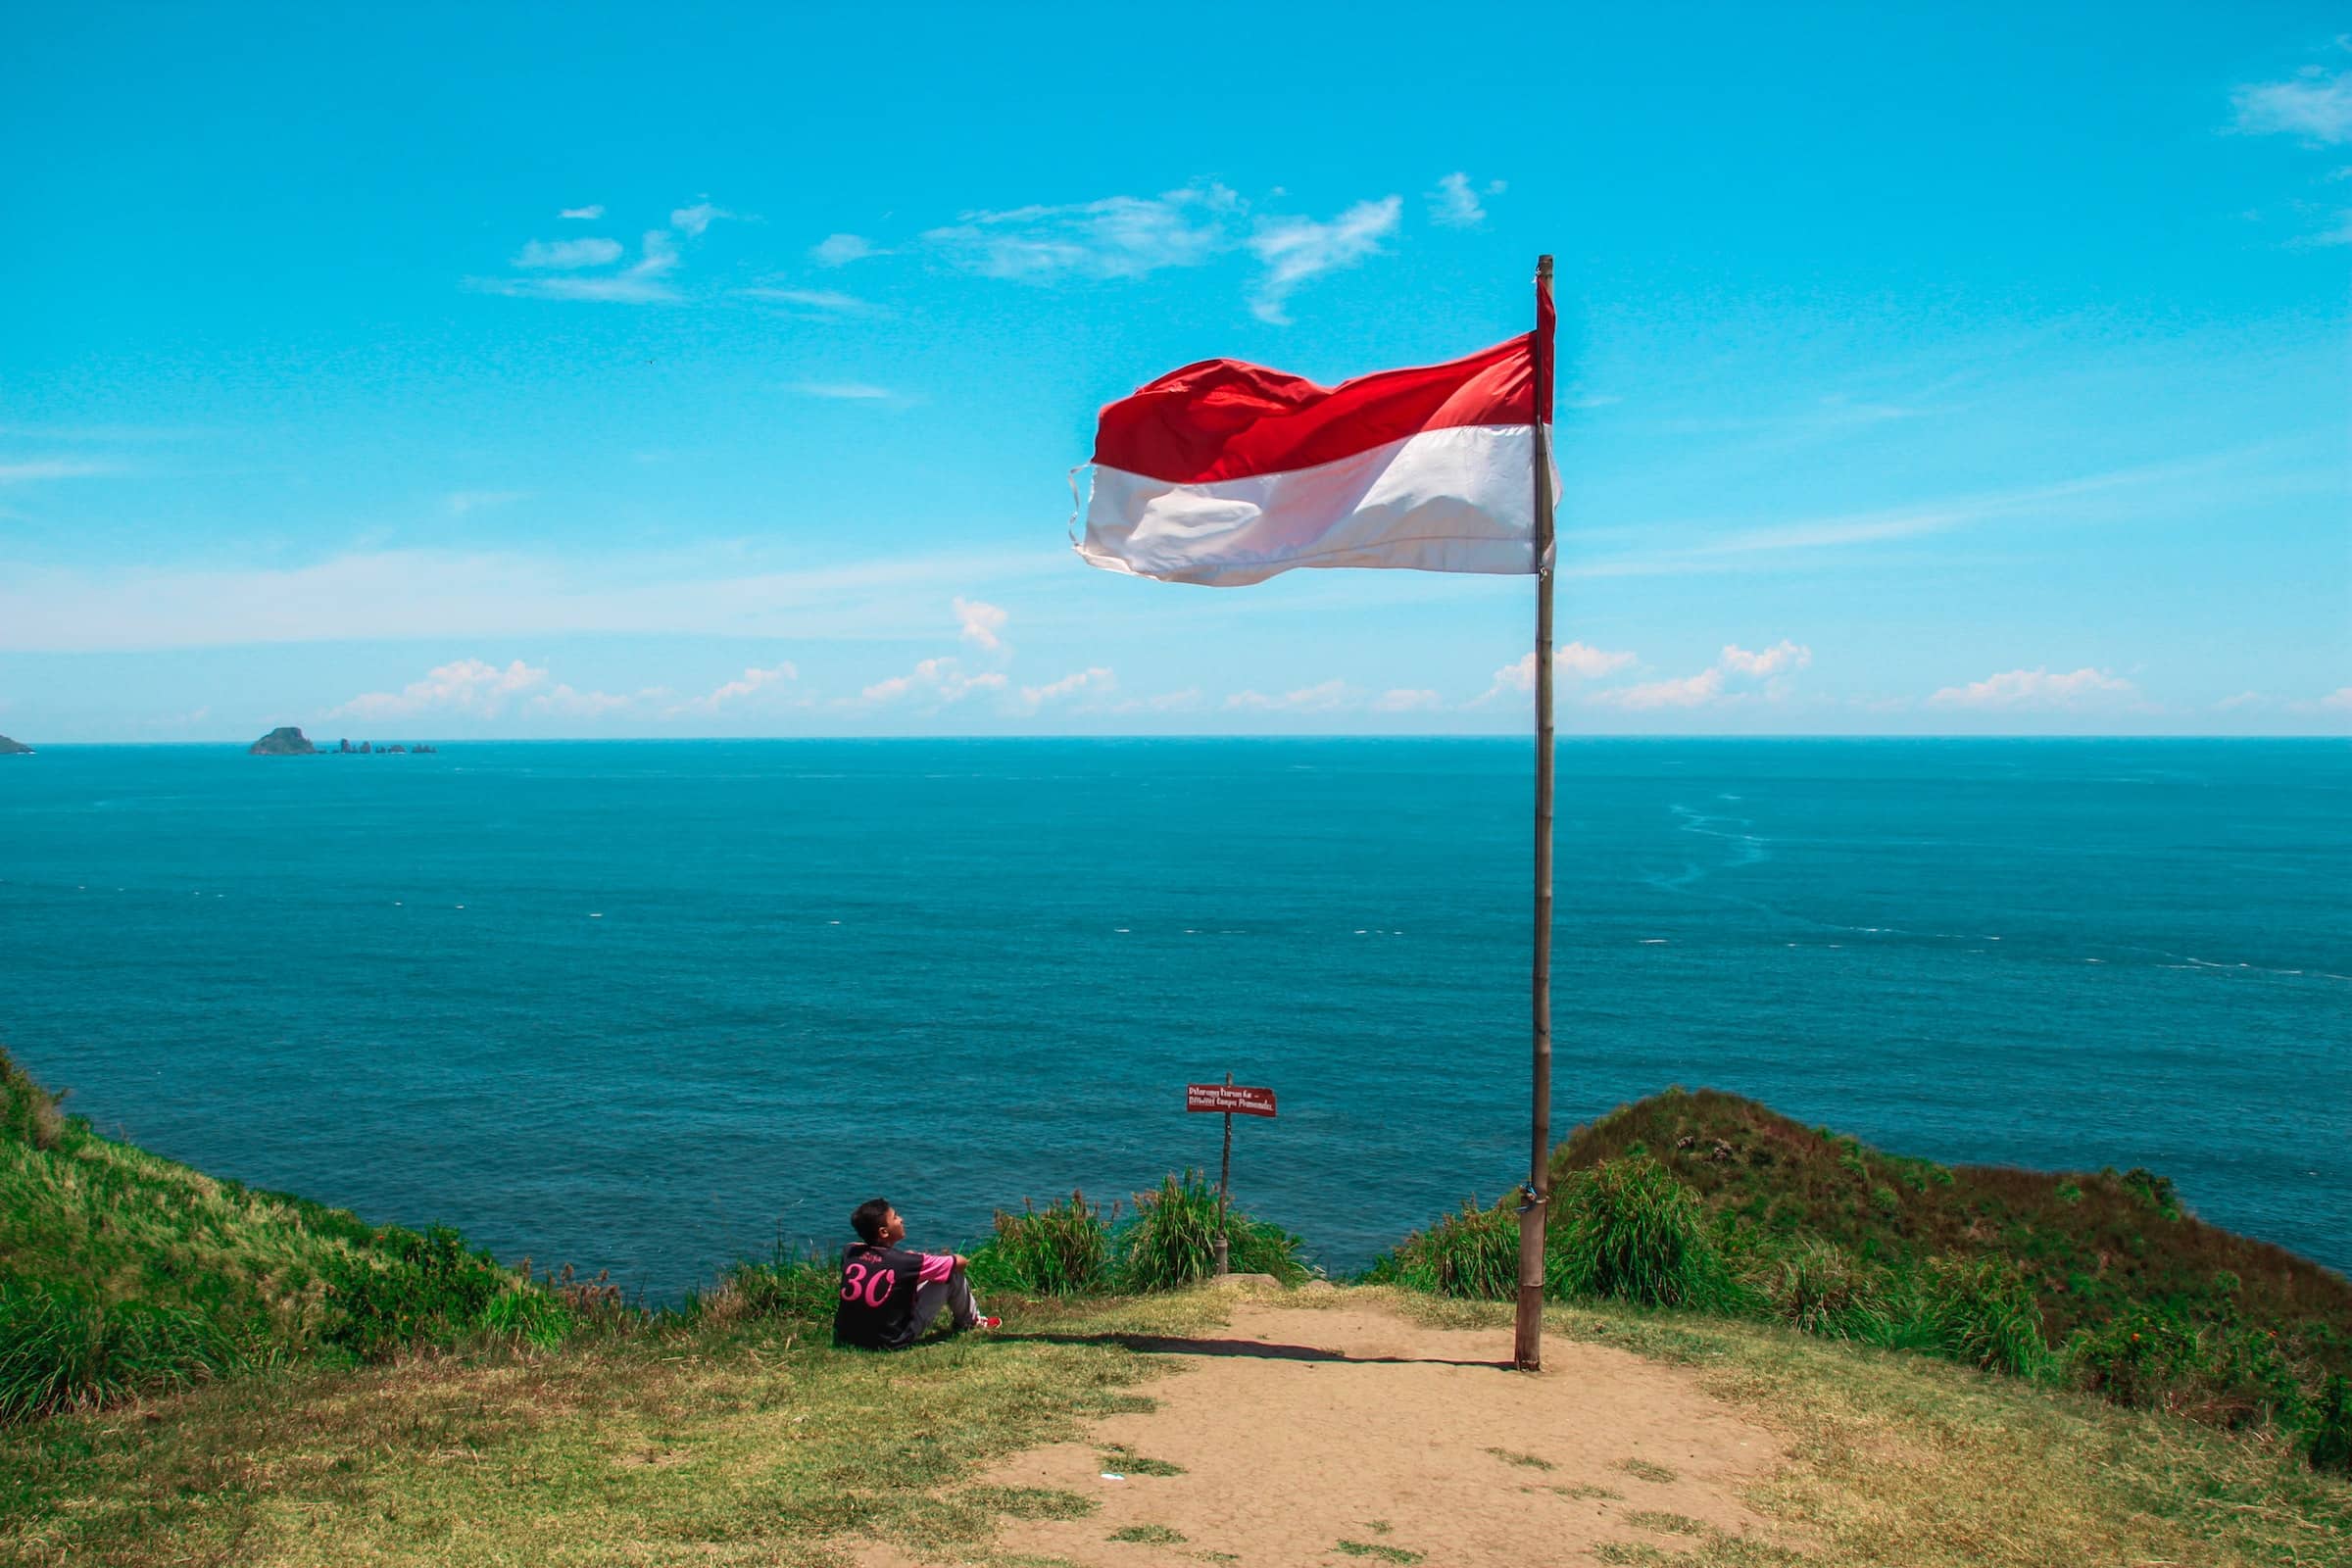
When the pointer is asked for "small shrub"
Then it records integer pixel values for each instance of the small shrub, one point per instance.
(61, 1350)
(2070, 1192)
(1818, 1287)
(1984, 1313)
(1060, 1250)
(409, 1292)
(1626, 1229)
(2154, 1191)
(2138, 1359)
(2328, 1429)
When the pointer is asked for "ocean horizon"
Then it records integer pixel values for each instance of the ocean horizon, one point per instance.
(655, 1005)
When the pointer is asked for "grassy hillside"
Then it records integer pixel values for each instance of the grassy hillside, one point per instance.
(2093, 1246)
(2098, 1281)
(122, 1272)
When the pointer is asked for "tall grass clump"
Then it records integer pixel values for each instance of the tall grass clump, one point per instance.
(1061, 1250)
(62, 1351)
(1628, 1230)
(1981, 1312)
(1471, 1253)
(1171, 1242)
(792, 1286)
(1817, 1287)
(28, 1114)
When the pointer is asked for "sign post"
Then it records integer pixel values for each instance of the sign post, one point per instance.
(1226, 1099)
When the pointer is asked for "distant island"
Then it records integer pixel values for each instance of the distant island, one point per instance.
(288, 740)
(284, 741)
(9, 748)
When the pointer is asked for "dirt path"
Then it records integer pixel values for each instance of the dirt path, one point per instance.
(1325, 1435)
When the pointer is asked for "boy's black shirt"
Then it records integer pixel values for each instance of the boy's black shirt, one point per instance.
(874, 1315)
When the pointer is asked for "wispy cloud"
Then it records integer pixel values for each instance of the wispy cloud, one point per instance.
(1406, 700)
(1689, 691)
(840, 250)
(451, 594)
(2037, 688)
(2314, 104)
(1295, 250)
(26, 472)
(751, 683)
(1781, 656)
(2340, 698)
(1092, 683)
(460, 502)
(981, 623)
(1455, 202)
(842, 391)
(1118, 236)
(588, 213)
(569, 253)
(1322, 699)
(820, 301)
(468, 686)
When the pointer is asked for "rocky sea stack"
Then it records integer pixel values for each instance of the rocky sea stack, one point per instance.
(9, 748)
(284, 741)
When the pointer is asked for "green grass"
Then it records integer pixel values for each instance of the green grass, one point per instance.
(1149, 1535)
(1530, 1461)
(1375, 1551)
(1171, 1242)
(1127, 1462)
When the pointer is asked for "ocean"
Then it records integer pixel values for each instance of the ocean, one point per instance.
(653, 1006)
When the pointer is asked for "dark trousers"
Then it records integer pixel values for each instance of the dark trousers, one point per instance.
(953, 1295)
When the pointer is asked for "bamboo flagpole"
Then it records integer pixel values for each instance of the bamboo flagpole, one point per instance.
(1535, 1205)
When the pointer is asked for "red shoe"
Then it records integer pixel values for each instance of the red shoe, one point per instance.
(988, 1323)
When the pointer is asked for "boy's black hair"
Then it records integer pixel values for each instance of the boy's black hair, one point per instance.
(867, 1219)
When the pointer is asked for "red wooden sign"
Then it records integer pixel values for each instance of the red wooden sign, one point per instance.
(1234, 1099)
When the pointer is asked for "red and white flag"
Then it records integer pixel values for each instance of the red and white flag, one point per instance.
(1226, 472)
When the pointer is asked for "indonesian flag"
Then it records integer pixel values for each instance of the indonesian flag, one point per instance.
(1226, 472)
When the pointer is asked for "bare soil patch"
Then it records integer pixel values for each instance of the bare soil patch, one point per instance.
(1331, 1434)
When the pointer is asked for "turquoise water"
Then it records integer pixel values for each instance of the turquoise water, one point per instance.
(653, 1006)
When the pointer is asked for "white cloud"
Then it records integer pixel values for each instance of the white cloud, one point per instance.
(1691, 691)
(2341, 697)
(2314, 105)
(590, 213)
(51, 468)
(2247, 699)
(750, 683)
(840, 250)
(2036, 688)
(978, 622)
(1306, 700)
(692, 220)
(1781, 656)
(462, 502)
(842, 391)
(825, 302)
(467, 686)
(638, 284)
(1118, 236)
(1294, 250)
(939, 681)
(1708, 687)
(1575, 660)
(1095, 682)
(1406, 700)
(569, 253)
(1455, 202)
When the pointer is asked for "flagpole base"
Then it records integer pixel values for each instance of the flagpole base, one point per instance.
(1527, 1349)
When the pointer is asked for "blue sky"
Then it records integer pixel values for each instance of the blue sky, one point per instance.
(467, 372)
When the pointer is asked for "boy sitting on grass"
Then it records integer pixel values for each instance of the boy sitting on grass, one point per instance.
(889, 1296)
